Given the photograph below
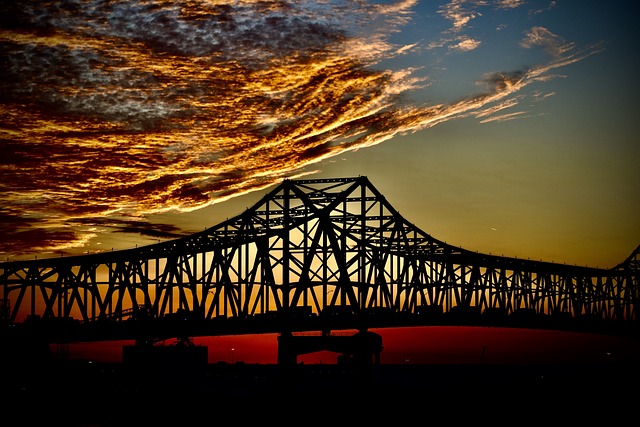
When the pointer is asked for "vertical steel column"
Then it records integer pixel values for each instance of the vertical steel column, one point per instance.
(286, 237)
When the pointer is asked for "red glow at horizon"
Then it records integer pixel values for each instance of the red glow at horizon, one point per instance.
(415, 345)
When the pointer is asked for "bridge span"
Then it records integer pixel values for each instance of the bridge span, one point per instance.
(311, 255)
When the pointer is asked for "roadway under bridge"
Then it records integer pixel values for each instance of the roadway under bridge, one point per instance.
(311, 255)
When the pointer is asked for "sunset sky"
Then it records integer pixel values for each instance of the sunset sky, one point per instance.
(507, 127)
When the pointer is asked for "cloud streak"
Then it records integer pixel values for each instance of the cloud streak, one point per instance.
(113, 111)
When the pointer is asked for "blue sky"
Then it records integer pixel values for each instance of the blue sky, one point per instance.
(505, 127)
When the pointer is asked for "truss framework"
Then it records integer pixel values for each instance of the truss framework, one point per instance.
(324, 245)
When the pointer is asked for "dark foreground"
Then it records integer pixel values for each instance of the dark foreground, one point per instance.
(73, 393)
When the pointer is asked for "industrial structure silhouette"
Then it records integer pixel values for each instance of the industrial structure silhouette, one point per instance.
(312, 255)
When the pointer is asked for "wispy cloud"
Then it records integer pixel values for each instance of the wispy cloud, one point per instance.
(551, 5)
(126, 109)
(466, 44)
(460, 12)
(509, 4)
(542, 37)
(504, 117)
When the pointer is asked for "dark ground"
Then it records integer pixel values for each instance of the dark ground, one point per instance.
(74, 393)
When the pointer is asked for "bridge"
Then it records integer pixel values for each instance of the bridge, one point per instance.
(312, 255)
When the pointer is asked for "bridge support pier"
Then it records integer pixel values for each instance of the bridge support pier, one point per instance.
(361, 351)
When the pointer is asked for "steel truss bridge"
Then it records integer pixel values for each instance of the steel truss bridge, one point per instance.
(311, 255)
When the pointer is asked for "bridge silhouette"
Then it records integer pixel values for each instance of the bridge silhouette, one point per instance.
(312, 255)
